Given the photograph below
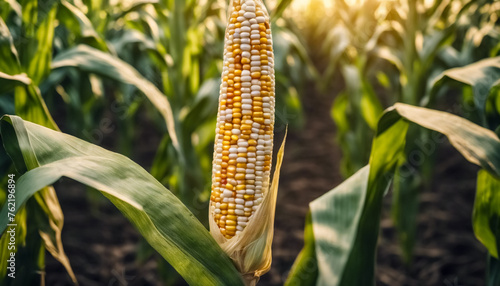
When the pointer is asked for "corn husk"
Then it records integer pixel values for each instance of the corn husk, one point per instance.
(250, 250)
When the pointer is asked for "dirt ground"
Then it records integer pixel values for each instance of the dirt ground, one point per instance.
(102, 245)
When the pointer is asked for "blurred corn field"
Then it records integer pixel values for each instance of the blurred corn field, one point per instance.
(122, 96)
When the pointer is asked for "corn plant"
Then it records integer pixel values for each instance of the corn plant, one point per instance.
(24, 65)
(480, 81)
(421, 65)
(29, 102)
(351, 52)
(403, 48)
(352, 210)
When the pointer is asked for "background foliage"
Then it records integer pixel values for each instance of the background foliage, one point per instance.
(119, 71)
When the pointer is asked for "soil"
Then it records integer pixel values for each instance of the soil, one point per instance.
(102, 245)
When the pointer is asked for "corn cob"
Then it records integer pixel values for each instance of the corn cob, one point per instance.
(245, 119)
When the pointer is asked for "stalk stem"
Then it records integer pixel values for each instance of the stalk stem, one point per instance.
(250, 279)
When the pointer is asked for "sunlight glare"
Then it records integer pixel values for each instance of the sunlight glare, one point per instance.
(304, 4)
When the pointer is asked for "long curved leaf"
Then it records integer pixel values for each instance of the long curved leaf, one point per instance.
(40, 54)
(35, 56)
(76, 20)
(482, 76)
(278, 10)
(8, 82)
(10, 63)
(158, 215)
(305, 268)
(486, 216)
(94, 61)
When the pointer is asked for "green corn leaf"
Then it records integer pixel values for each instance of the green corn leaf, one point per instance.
(29, 16)
(19, 78)
(31, 106)
(371, 108)
(134, 6)
(305, 269)
(204, 106)
(478, 145)
(392, 56)
(76, 21)
(20, 220)
(39, 64)
(10, 6)
(335, 45)
(49, 218)
(482, 76)
(351, 235)
(94, 61)
(434, 42)
(404, 210)
(332, 217)
(29, 103)
(134, 37)
(158, 215)
(8, 82)
(486, 216)
(280, 7)
(10, 59)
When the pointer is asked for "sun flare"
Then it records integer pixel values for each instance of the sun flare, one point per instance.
(303, 4)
